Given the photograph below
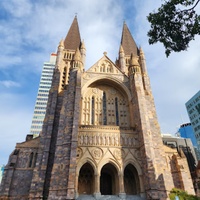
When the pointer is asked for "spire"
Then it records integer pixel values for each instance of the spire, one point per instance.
(128, 42)
(73, 39)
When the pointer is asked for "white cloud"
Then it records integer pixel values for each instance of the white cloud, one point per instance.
(19, 8)
(9, 83)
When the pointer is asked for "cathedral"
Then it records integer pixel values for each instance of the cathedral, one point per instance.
(100, 138)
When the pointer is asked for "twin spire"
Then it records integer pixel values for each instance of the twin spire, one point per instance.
(73, 39)
(128, 47)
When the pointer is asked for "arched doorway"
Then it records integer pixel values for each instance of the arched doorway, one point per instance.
(86, 179)
(109, 180)
(131, 180)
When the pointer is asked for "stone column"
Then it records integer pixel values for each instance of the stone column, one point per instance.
(76, 187)
(97, 193)
(122, 193)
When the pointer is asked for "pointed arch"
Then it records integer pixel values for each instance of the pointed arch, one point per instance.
(137, 172)
(131, 180)
(110, 81)
(109, 180)
(86, 179)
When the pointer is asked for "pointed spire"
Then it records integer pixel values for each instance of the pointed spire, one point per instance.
(73, 39)
(121, 50)
(128, 42)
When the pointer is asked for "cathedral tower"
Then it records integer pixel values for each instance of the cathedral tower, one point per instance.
(100, 135)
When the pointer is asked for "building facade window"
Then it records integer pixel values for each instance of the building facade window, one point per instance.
(92, 111)
(104, 109)
(116, 111)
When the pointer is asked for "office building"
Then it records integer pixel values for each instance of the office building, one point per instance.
(193, 109)
(1, 172)
(42, 96)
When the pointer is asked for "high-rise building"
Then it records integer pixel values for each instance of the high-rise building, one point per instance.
(193, 109)
(100, 134)
(42, 96)
(1, 172)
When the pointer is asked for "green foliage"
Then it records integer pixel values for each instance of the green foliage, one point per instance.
(174, 25)
(182, 195)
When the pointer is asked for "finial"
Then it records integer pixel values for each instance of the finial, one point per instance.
(82, 45)
(61, 43)
(121, 50)
(77, 55)
(105, 53)
(76, 15)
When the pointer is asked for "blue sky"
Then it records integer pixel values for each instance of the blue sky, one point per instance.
(30, 31)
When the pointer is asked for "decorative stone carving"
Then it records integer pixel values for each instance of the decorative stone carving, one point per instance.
(95, 90)
(97, 153)
(79, 153)
(118, 154)
(106, 139)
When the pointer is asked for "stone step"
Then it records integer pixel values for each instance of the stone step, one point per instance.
(109, 197)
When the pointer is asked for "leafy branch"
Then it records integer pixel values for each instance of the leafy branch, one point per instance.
(173, 26)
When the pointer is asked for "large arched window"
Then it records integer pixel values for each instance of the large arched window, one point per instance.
(116, 111)
(92, 111)
(105, 105)
(104, 109)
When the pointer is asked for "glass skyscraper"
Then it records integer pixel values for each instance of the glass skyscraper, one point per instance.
(193, 109)
(42, 96)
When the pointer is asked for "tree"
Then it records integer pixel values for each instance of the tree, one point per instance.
(175, 24)
(182, 195)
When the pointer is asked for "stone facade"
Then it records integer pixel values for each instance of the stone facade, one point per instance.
(100, 135)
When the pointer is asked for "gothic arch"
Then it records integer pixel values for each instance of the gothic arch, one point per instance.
(131, 180)
(105, 102)
(136, 165)
(111, 161)
(109, 180)
(112, 81)
(133, 162)
(84, 161)
(86, 179)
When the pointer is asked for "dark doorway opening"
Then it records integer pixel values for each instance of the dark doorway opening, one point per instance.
(131, 180)
(86, 179)
(106, 184)
(109, 180)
